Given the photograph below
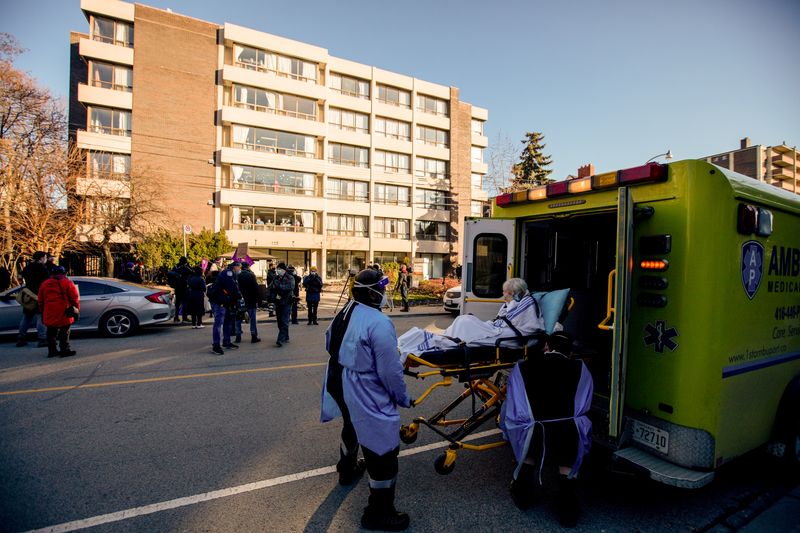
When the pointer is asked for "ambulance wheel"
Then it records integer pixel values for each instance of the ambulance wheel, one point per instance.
(787, 423)
(408, 434)
(445, 463)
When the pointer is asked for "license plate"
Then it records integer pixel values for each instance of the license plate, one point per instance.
(651, 436)
(449, 302)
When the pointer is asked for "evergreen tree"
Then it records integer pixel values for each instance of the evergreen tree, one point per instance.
(532, 167)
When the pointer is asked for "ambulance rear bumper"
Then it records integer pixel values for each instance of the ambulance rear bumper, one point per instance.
(663, 471)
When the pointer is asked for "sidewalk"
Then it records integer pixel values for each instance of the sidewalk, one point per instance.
(781, 516)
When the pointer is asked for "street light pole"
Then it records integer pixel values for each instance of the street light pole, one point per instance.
(667, 154)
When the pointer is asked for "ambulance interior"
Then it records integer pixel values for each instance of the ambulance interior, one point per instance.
(576, 252)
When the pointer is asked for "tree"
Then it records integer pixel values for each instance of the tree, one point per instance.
(502, 153)
(532, 170)
(38, 210)
(165, 248)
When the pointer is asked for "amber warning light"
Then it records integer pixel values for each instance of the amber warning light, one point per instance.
(656, 265)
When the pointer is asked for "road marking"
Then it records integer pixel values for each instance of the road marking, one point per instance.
(224, 493)
(155, 380)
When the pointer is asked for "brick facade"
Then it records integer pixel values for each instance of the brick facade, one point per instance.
(460, 169)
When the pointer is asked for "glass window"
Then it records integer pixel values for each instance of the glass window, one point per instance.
(430, 199)
(340, 263)
(108, 76)
(345, 154)
(491, 253)
(391, 228)
(109, 166)
(433, 136)
(347, 225)
(264, 61)
(477, 127)
(432, 168)
(272, 180)
(90, 288)
(433, 105)
(112, 31)
(394, 96)
(476, 208)
(348, 120)
(476, 180)
(281, 142)
(477, 154)
(110, 121)
(428, 230)
(271, 102)
(392, 162)
(272, 219)
(343, 189)
(391, 194)
(395, 129)
(349, 85)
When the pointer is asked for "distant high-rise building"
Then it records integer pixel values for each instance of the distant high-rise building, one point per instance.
(776, 165)
(311, 158)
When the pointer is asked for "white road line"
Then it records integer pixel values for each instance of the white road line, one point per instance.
(224, 493)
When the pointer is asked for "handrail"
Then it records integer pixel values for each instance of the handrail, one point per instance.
(604, 324)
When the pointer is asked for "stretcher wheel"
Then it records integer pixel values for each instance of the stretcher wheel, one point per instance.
(408, 434)
(445, 463)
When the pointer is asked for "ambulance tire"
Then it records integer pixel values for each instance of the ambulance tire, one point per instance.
(787, 425)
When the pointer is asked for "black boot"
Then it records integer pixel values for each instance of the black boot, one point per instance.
(380, 513)
(522, 489)
(567, 501)
(350, 467)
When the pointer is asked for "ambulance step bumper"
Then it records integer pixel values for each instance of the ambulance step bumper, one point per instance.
(663, 471)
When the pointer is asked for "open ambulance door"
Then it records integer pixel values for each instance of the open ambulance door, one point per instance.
(621, 282)
(488, 263)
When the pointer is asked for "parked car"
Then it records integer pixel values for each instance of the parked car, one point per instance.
(115, 307)
(452, 300)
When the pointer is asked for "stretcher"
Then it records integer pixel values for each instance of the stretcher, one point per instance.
(480, 370)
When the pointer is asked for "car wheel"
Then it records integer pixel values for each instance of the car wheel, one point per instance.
(118, 323)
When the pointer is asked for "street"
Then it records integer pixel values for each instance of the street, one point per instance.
(155, 433)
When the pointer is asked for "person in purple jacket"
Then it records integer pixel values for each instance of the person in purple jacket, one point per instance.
(544, 417)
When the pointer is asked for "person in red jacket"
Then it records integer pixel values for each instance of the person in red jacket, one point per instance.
(56, 295)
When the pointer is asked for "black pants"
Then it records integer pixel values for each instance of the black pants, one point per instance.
(181, 304)
(62, 334)
(312, 311)
(379, 467)
(294, 309)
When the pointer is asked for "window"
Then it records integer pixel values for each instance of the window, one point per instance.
(433, 136)
(477, 181)
(394, 96)
(490, 252)
(109, 166)
(426, 230)
(476, 208)
(345, 154)
(108, 76)
(348, 225)
(339, 263)
(349, 85)
(392, 162)
(430, 199)
(430, 104)
(111, 210)
(110, 121)
(280, 142)
(272, 102)
(395, 129)
(391, 257)
(477, 154)
(477, 127)
(342, 189)
(348, 120)
(272, 180)
(391, 228)
(90, 288)
(272, 219)
(434, 265)
(264, 61)
(391, 194)
(112, 31)
(432, 168)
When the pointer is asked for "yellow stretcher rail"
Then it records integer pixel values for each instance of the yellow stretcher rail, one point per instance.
(606, 323)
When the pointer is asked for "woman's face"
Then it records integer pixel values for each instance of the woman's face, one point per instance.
(508, 295)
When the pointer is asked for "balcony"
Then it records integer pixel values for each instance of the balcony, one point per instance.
(100, 142)
(273, 120)
(106, 97)
(109, 8)
(269, 80)
(105, 51)
(784, 160)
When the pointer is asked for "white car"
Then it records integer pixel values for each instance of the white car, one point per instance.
(452, 300)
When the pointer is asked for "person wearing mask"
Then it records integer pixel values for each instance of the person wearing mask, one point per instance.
(271, 273)
(224, 296)
(248, 285)
(179, 280)
(59, 305)
(130, 274)
(298, 281)
(34, 274)
(282, 293)
(313, 285)
(364, 384)
(197, 296)
(545, 419)
(404, 281)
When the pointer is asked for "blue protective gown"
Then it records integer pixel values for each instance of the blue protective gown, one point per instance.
(372, 380)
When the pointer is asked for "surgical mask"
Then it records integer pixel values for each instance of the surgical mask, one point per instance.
(383, 282)
(517, 297)
(281, 272)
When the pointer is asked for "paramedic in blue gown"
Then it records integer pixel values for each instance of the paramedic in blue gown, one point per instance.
(544, 419)
(364, 384)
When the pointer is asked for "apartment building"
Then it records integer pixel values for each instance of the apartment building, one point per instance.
(776, 165)
(311, 158)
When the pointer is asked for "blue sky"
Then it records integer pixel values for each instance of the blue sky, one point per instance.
(608, 82)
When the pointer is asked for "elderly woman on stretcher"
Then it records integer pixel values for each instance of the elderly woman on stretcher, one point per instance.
(519, 315)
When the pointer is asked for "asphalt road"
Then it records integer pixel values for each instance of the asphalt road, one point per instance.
(154, 433)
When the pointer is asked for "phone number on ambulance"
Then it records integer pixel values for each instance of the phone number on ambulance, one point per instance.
(787, 312)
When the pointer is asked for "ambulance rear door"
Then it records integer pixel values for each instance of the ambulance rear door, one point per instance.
(488, 262)
(621, 293)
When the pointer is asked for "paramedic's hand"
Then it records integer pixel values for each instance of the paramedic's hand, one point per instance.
(412, 403)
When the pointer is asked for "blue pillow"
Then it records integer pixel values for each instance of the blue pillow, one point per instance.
(551, 303)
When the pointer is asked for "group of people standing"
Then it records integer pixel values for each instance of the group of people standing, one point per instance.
(51, 302)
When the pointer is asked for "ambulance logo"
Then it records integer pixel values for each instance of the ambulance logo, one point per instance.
(752, 267)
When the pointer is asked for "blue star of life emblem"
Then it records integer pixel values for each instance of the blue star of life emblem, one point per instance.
(660, 336)
(752, 267)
